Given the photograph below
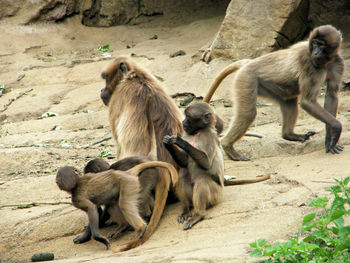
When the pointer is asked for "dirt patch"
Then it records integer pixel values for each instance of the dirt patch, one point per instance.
(62, 66)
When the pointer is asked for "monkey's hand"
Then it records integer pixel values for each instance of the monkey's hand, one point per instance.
(332, 138)
(169, 140)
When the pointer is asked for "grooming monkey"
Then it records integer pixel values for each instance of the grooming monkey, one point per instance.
(198, 153)
(283, 76)
(137, 199)
(118, 191)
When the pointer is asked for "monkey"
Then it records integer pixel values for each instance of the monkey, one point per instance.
(125, 93)
(96, 165)
(118, 191)
(199, 154)
(148, 180)
(283, 76)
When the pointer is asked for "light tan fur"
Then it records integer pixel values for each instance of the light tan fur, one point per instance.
(283, 76)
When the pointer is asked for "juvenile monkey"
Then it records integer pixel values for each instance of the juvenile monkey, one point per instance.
(117, 190)
(283, 76)
(199, 154)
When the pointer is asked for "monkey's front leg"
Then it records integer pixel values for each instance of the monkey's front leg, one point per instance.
(200, 157)
(93, 224)
(179, 156)
(331, 105)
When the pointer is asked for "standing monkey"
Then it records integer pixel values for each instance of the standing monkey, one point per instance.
(198, 153)
(283, 76)
(119, 192)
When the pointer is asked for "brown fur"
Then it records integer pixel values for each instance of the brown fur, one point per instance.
(128, 85)
(283, 76)
(105, 188)
(201, 160)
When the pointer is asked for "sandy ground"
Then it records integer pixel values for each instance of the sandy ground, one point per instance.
(56, 68)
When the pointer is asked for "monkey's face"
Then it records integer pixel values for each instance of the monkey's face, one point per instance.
(324, 44)
(198, 117)
(113, 74)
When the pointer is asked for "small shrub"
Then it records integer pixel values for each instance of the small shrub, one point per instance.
(322, 238)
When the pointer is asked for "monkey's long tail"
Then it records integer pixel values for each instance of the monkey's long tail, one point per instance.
(247, 181)
(162, 189)
(222, 75)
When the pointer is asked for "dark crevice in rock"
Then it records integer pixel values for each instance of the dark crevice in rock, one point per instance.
(296, 27)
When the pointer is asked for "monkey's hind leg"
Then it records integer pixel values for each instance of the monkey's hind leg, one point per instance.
(184, 192)
(200, 198)
(289, 110)
(117, 216)
(245, 113)
(128, 203)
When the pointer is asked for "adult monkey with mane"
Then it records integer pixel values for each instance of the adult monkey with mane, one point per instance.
(284, 76)
(198, 153)
(127, 87)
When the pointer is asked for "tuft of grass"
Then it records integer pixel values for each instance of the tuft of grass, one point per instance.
(322, 238)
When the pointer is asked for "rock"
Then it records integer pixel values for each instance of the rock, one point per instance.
(251, 29)
(9, 7)
(54, 10)
(42, 257)
(178, 53)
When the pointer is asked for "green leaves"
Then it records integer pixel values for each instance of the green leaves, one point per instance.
(104, 48)
(2, 88)
(105, 153)
(326, 238)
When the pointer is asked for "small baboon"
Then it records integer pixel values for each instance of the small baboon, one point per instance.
(119, 192)
(199, 154)
(283, 76)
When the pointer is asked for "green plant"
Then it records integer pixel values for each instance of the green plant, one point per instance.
(2, 89)
(105, 153)
(323, 237)
(104, 48)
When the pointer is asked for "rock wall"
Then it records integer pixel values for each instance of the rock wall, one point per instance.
(253, 28)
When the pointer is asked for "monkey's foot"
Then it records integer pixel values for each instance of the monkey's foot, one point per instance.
(233, 154)
(81, 239)
(183, 217)
(298, 137)
(190, 223)
(119, 232)
(86, 236)
(335, 150)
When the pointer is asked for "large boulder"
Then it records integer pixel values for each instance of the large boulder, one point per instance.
(52, 10)
(253, 28)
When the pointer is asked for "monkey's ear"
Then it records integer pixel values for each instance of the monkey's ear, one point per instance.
(123, 67)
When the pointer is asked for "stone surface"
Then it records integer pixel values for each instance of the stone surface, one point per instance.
(253, 28)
